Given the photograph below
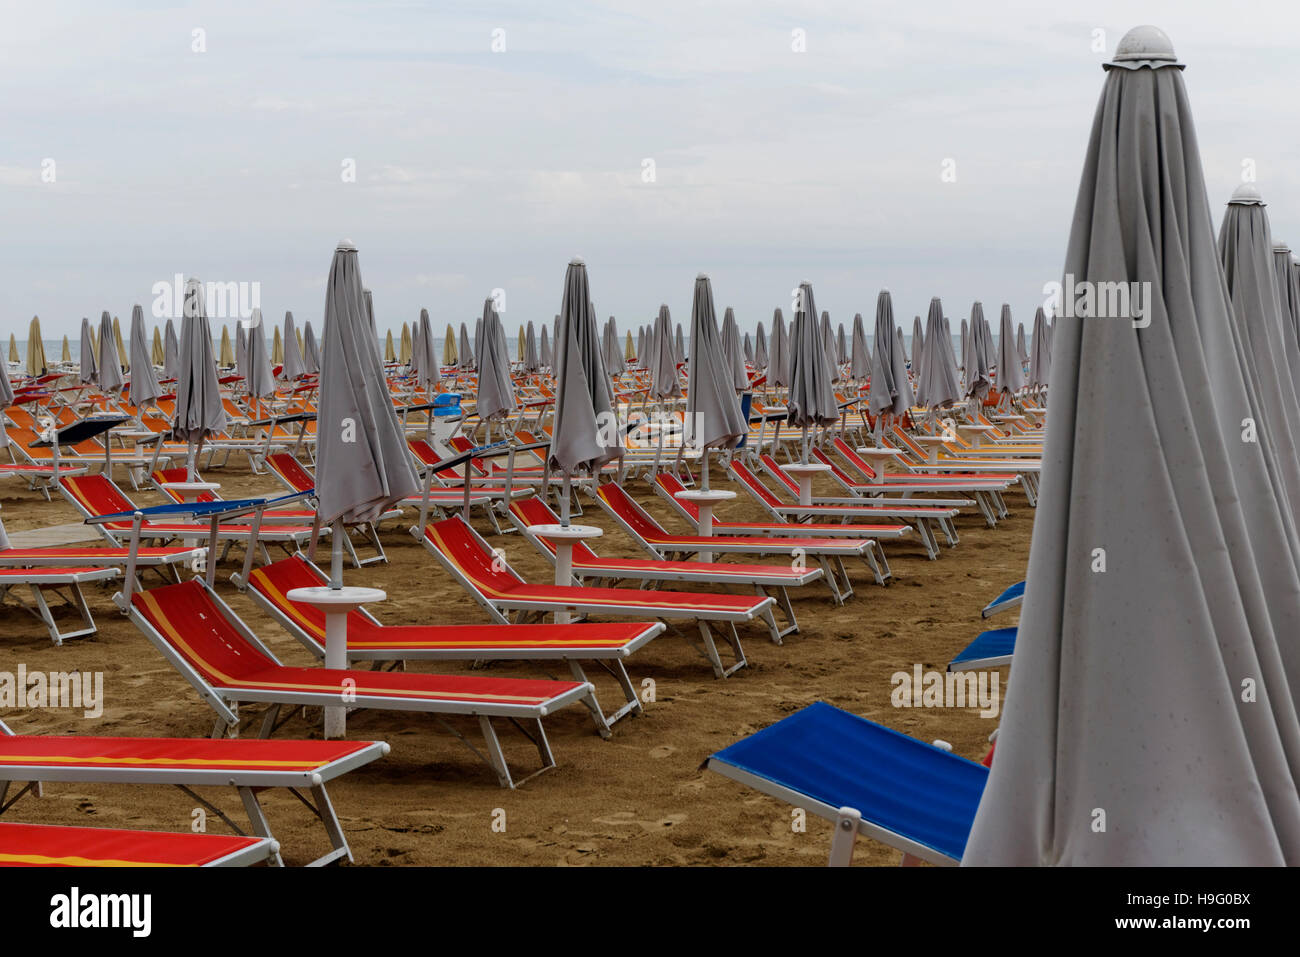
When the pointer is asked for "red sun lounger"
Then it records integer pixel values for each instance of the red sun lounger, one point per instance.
(496, 586)
(47, 845)
(249, 766)
(226, 664)
(607, 643)
(43, 580)
(773, 580)
(660, 543)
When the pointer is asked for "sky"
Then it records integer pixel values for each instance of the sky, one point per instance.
(930, 149)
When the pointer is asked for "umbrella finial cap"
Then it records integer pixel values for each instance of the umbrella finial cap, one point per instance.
(1144, 45)
(702, 275)
(1247, 194)
(576, 261)
(1281, 247)
(347, 246)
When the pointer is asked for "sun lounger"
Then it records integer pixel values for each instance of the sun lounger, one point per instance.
(51, 580)
(606, 643)
(773, 580)
(991, 649)
(226, 664)
(499, 589)
(866, 778)
(249, 766)
(1011, 598)
(659, 543)
(47, 845)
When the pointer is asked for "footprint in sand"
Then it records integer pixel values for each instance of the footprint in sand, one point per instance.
(663, 751)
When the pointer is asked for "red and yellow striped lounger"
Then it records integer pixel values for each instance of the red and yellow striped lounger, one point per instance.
(226, 663)
(249, 766)
(47, 845)
(770, 580)
(369, 640)
(499, 589)
(660, 543)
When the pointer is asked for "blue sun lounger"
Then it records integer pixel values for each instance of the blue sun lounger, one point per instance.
(991, 649)
(866, 778)
(1011, 598)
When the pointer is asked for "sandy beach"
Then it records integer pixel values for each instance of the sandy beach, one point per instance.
(640, 798)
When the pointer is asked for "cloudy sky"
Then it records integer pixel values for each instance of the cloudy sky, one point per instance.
(479, 168)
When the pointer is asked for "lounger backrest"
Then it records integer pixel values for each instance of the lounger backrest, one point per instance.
(753, 484)
(671, 484)
(423, 451)
(534, 511)
(906, 440)
(291, 471)
(96, 494)
(854, 459)
(191, 623)
(613, 495)
(274, 582)
(459, 545)
(838, 472)
(776, 472)
(161, 477)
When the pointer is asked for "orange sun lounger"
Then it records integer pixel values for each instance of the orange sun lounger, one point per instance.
(227, 664)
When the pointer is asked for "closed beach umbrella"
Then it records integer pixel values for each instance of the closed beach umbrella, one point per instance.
(664, 383)
(121, 346)
(109, 362)
(1011, 377)
(144, 383)
(293, 367)
(157, 355)
(860, 358)
(65, 353)
(888, 364)
(732, 353)
(629, 350)
(36, 364)
(713, 416)
(842, 345)
(778, 357)
(532, 359)
(828, 346)
(89, 365)
(918, 343)
(1288, 294)
(241, 350)
(584, 437)
(450, 355)
(936, 384)
(406, 348)
(258, 379)
(199, 411)
(277, 348)
(1040, 353)
(544, 349)
(1128, 696)
(424, 360)
(760, 348)
(171, 351)
(227, 353)
(812, 400)
(310, 350)
(1022, 351)
(679, 345)
(496, 394)
(465, 352)
(14, 357)
(390, 350)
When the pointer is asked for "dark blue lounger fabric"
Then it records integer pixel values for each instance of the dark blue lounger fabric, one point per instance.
(990, 644)
(898, 783)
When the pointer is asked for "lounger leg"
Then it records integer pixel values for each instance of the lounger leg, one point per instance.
(846, 584)
(78, 601)
(256, 817)
(325, 811)
(845, 836)
(927, 538)
(711, 651)
(949, 531)
(782, 597)
(589, 701)
(878, 562)
(495, 756)
(268, 721)
(832, 580)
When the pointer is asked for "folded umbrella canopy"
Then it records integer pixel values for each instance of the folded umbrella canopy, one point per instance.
(1152, 718)
(778, 357)
(664, 382)
(424, 359)
(1040, 353)
(36, 364)
(89, 367)
(199, 411)
(841, 345)
(936, 383)
(390, 350)
(532, 359)
(860, 355)
(496, 392)
(585, 434)
(109, 363)
(812, 400)
(760, 348)
(918, 343)
(747, 346)
(310, 350)
(828, 346)
(65, 354)
(293, 367)
(406, 348)
(544, 355)
(122, 354)
(362, 462)
(466, 351)
(226, 354)
(157, 355)
(1246, 252)
(1022, 352)
(979, 376)
(144, 382)
(679, 345)
(241, 350)
(258, 380)
(1288, 294)
(1011, 376)
(277, 348)
(890, 389)
(13, 350)
(713, 416)
(171, 351)
(733, 355)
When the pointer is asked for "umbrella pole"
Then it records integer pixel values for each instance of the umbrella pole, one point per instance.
(805, 444)
(704, 469)
(336, 557)
(564, 499)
